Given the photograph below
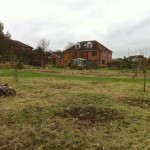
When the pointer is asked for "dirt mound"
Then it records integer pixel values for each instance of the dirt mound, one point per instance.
(91, 114)
(137, 101)
(5, 90)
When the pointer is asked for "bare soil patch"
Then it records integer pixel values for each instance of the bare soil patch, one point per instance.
(91, 114)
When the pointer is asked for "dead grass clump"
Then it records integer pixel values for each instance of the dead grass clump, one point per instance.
(17, 138)
(94, 82)
(137, 101)
(60, 86)
(91, 114)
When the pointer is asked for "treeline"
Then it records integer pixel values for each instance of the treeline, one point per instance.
(36, 57)
(130, 62)
(123, 63)
(4, 41)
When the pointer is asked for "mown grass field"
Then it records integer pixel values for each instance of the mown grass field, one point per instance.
(77, 110)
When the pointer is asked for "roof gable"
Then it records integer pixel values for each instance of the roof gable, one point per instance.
(56, 54)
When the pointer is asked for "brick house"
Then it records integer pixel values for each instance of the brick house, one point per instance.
(94, 53)
(56, 58)
(15, 48)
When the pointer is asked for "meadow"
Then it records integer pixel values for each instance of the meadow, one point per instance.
(57, 109)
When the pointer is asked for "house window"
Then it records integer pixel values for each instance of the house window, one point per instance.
(89, 45)
(94, 53)
(77, 46)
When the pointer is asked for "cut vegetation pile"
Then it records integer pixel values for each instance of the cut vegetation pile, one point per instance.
(5, 90)
(60, 111)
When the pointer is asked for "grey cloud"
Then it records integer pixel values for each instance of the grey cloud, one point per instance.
(63, 21)
(132, 35)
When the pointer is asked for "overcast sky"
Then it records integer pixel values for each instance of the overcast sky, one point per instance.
(121, 25)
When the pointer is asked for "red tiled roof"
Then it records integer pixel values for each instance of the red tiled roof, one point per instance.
(95, 46)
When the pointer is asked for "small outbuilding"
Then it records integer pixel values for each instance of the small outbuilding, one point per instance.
(56, 58)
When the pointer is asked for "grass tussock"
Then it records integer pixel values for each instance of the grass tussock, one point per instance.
(137, 101)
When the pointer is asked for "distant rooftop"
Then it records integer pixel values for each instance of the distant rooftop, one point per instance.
(18, 43)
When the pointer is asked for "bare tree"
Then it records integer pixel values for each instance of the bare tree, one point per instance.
(8, 35)
(70, 44)
(15, 69)
(1, 27)
(145, 64)
(44, 46)
(1, 31)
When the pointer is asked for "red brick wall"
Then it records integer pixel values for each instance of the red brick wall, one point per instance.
(58, 60)
(103, 58)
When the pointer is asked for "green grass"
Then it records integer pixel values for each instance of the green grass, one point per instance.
(58, 111)
(31, 73)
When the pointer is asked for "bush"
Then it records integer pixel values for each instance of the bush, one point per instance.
(6, 66)
(19, 65)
